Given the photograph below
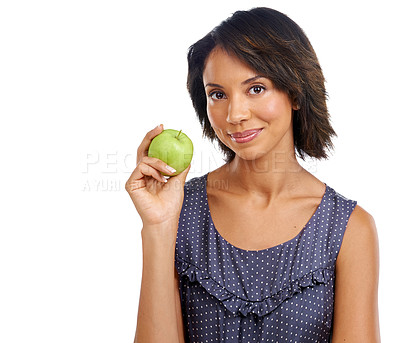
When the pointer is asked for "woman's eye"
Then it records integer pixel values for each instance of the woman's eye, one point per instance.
(217, 95)
(256, 89)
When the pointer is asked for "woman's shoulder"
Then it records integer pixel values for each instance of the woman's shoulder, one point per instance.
(361, 222)
(360, 238)
(361, 217)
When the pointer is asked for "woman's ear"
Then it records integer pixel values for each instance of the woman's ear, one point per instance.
(295, 104)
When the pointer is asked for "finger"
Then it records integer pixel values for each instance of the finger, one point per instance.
(159, 165)
(147, 170)
(137, 176)
(132, 186)
(144, 146)
(137, 179)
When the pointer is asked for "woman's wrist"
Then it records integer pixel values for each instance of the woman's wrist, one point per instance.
(162, 234)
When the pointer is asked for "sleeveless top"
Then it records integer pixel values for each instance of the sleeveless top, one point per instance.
(281, 294)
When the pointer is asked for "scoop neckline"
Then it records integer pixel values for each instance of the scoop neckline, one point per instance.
(269, 248)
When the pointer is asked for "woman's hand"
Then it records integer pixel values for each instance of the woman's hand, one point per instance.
(157, 200)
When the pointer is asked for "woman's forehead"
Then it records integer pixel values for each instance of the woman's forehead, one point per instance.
(221, 64)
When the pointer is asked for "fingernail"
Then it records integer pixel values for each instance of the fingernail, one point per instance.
(170, 169)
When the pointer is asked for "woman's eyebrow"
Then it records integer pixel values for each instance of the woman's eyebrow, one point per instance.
(245, 82)
(213, 85)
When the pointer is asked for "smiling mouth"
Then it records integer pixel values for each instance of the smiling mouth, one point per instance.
(245, 136)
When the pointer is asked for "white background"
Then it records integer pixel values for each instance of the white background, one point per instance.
(81, 82)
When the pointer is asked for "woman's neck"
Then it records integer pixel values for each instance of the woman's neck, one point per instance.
(272, 175)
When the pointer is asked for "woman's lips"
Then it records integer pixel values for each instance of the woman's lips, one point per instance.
(245, 136)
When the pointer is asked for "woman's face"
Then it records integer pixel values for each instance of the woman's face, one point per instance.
(246, 111)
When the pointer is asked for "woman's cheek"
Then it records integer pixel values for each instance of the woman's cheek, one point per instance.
(216, 119)
(267, 112)
(278, 107)
(218, 122)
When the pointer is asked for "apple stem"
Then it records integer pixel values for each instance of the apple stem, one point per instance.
(178, 134)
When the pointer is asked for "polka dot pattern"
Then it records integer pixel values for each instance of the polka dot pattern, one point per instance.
(281, 294)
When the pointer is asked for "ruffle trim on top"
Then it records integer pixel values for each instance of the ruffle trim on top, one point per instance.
(238, 305)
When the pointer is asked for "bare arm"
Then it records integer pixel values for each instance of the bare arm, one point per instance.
(356, 288)
(159, 315)
(158, 203)
(179, 310)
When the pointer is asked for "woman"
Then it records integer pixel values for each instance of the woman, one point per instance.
(258, 250)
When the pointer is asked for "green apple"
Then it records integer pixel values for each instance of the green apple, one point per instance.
(174, 148)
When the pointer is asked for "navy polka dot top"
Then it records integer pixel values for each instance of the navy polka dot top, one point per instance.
(281, 294)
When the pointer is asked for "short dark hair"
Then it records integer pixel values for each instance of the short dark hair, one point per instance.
(275, 46)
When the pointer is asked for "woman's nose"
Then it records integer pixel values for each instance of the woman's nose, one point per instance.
(238, 111)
